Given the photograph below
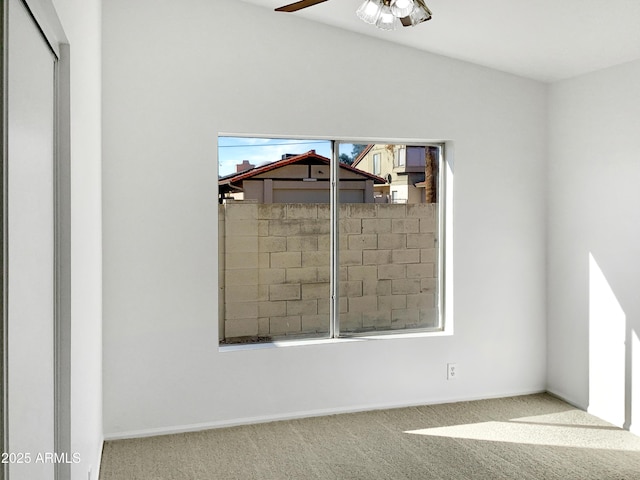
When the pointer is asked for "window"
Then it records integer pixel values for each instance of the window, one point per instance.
(399, 157)
(302, 258)
(376, 164)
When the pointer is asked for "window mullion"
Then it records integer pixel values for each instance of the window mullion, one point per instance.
(334, 329)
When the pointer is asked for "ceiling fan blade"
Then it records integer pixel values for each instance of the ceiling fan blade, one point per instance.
(294, 7)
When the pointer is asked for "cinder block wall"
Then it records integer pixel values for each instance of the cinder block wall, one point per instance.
(274, 261)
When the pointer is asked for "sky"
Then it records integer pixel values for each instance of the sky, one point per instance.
(259, 151)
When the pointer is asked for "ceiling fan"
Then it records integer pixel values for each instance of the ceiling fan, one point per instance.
(384, 14)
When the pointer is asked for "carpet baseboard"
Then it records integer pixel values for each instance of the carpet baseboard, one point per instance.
(171, 430)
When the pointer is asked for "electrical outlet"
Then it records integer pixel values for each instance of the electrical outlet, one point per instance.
(452, 371)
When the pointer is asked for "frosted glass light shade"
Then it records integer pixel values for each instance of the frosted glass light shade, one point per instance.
(401, 8)
(369, 11)
(387, 20)
(419, 14)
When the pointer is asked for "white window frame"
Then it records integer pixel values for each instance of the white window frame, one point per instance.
(445, 279)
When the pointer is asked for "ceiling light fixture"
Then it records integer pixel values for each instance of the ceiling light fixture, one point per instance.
(390, 14)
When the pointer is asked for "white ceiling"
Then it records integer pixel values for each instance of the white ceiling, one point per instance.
(546, 40)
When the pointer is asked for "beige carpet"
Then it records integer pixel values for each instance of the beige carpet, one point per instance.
(530, 437)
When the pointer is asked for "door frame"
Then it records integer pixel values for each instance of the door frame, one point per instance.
(45, 16)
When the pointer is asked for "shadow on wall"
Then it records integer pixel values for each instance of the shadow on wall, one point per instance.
(614, 345)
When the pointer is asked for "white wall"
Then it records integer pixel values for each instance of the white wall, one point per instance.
(81, 20)
(594, 242)
(177, 73)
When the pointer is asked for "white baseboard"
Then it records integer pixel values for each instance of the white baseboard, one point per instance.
(567, 399)
(171, 430)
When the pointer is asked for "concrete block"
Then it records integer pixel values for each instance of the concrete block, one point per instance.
(284, 228)
(392, 302)
(361, 210)
(351, 257)
(302, 244)
(241, 327)
(364, 272)
(363, 242)
(263, 228)
(429, 285)
(404, 318)
(350, 226)
(343, 273)
(241, 211)
(324, 242)
(315, 227)
(391, 271)
(302, 275)
(428, 225)
(376, 287)
(421, 301)
(350, 322)
(263, 293)
(377, 320)
(263, 326)
(243, 293)
(315, 259)
(429, 255)
(420, 270)
(391, 210)
(351, 288)
(284, 292)
(429, 317)
(315, 323)
(405, 286)
(420, 210)
(405, 225)
(245, 276)
(363, 304)
(324, 274)
(272, 211)
(264, 260)
(241, 228)
(324, 211)
(241, 243)
(302, 211)
(406, 256)
(272, 244)
(234, 261)
(286, 259)
(315, 290)
(392, 241)
(284, 325)
(271, 276)
(302, 307)
(376, 257)
(420, 240)
(272, 309)
(376, 225)
(238, 310)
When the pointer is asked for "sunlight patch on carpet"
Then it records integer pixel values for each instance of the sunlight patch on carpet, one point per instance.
(545, 433)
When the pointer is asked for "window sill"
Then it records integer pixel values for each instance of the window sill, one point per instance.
(330, 341)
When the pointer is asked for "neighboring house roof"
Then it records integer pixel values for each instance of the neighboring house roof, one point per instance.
(363, 154)
(235, 179)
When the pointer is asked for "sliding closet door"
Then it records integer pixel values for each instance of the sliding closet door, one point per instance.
(30, 209)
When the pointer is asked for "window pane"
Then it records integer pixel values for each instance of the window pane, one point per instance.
(389, 244)
(273, 239)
